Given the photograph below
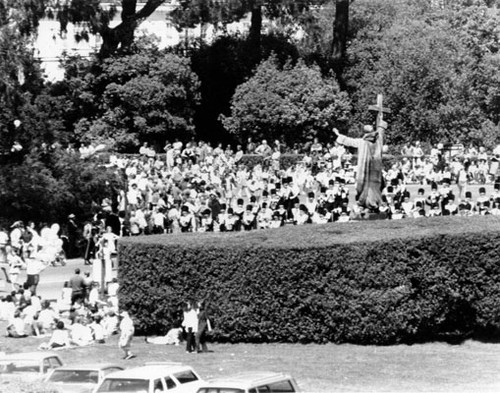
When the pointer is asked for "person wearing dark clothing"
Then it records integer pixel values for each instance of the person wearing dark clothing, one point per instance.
(203, 328)
(113, 221)
(72, 237)
(77, 285)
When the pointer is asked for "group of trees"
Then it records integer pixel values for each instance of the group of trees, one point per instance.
(302, 68)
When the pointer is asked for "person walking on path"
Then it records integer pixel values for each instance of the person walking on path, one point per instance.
(77, 285)
(33, 269)
(126, 334)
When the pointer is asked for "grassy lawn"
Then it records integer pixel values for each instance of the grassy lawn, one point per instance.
(435, 367)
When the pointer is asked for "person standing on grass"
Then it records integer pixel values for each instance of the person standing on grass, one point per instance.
(190, 325)
(33, 269)
(126, 334)
(204, 326)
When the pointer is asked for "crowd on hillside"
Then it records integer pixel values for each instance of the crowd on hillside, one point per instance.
(195, 187)
(198, 188)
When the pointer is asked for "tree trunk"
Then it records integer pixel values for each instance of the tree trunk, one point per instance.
(340, 30)
(122, 36)
(255, 34)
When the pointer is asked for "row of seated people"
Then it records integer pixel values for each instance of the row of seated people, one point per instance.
(328, 206)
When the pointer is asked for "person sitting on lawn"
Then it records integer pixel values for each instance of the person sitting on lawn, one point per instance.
(17, 327)
(81, 333)
(47, 318)
(59, 338)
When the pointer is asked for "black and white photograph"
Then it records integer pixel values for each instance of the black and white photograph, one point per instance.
(249, 196)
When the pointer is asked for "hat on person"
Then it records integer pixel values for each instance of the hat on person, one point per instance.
(468, 194)
(482, 190)
(17, 224)
(71, 215)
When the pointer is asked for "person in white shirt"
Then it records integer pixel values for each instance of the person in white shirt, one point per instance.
(16, 327)
(81, 334)
(126, 334)
(190, 324)
(16, 237)
(97, 330)
(33, 269)
(4, 241)
(15, 264)
(59, 338)
(46, 318)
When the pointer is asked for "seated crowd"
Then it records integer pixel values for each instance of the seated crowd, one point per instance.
(66, 323)
(197, 188)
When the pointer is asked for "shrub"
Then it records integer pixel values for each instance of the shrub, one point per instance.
(372, 282)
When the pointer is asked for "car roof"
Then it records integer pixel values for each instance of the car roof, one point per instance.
(151, 371)
(28, 356)
(91, 366)
(248, 379)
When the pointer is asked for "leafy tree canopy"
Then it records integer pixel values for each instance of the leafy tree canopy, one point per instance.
(435, 66)
(149, 96)
(293, 104)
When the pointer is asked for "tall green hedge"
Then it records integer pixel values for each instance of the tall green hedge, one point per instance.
(372, 282)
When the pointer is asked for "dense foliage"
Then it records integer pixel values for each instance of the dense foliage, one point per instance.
(146, 96)
(434, 65)
(293, 104)
(221, 67)
(47, 184)
(376, 282)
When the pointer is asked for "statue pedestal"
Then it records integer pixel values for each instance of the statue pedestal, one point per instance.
(371, 217)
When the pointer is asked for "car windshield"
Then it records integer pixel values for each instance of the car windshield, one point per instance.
(220, 390)
(185, 377)
(13, 366)
(75, 376)
(124, 385)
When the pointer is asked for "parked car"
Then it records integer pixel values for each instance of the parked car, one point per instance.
(152, 378)
(251, 382)
(80, 379)
(28, 366)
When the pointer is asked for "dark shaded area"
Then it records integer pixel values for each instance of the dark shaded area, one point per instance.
(221, 67)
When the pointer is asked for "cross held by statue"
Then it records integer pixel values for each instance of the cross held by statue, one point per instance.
(379, 108)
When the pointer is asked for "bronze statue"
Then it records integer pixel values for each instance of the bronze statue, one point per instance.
(369, 173)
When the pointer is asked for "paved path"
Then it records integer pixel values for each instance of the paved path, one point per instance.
(51, 279)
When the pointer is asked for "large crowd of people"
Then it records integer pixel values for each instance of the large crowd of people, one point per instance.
(198, 188)
(195, 187)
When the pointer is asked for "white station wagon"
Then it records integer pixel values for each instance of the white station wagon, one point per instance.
(251, 382)
(154, 378)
